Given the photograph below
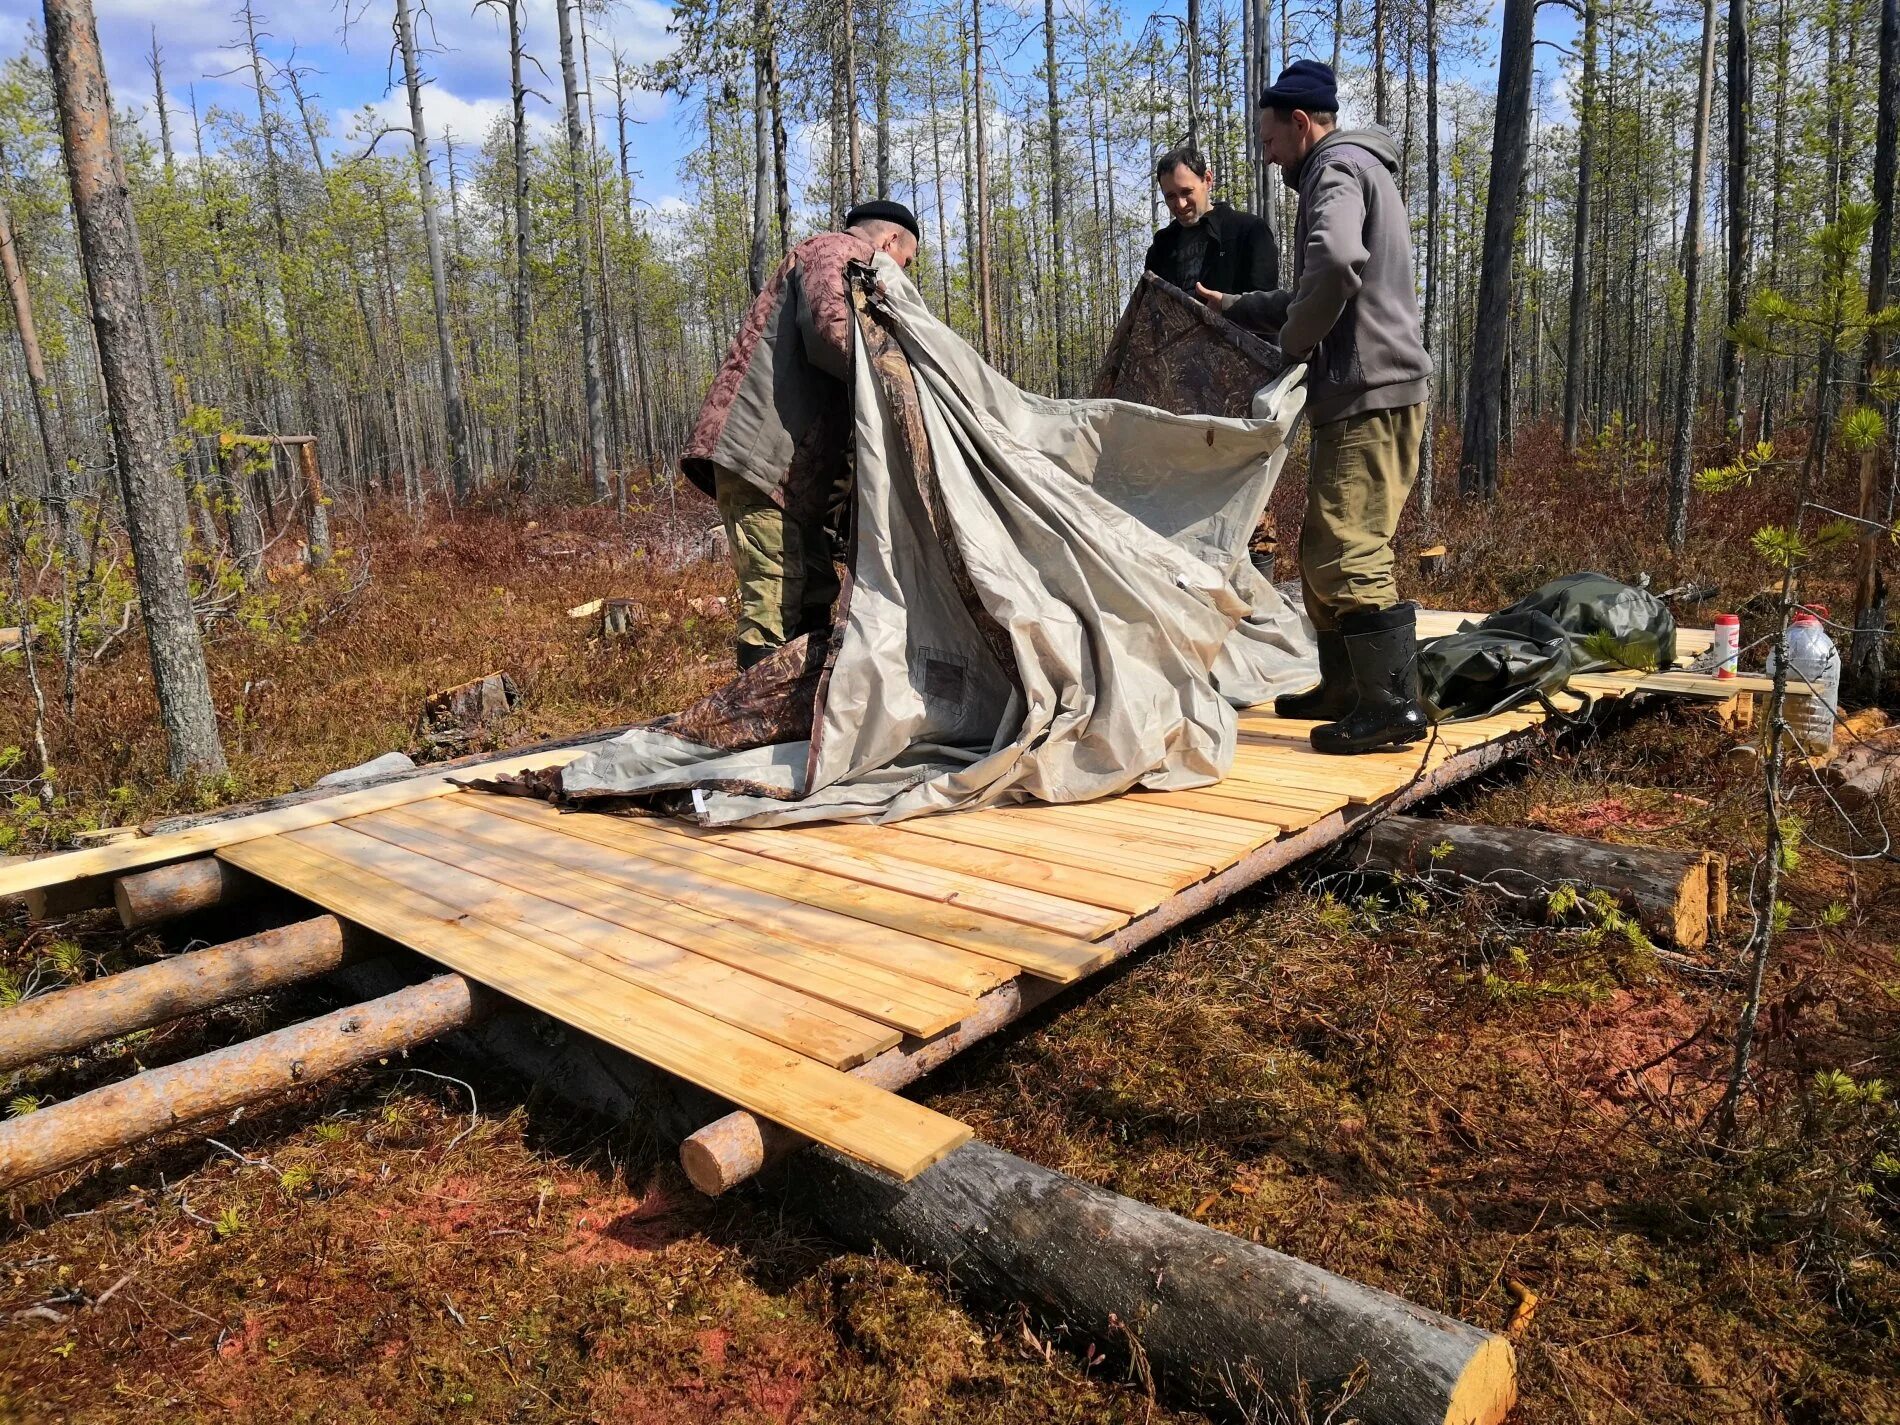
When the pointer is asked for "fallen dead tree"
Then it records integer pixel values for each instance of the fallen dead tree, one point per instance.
(1221, 1319)
(69, 1020)
(1678, 896)
(158, 1100)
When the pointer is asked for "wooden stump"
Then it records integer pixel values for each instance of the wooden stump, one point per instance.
(457, 713)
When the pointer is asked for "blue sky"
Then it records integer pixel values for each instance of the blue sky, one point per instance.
(349, 59)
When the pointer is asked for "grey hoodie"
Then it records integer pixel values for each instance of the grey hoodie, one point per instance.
(1353, 312)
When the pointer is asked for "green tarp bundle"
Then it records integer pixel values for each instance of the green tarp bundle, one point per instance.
(1581, 623)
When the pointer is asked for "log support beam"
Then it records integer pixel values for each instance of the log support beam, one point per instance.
(108, 1119)
(69, 1020)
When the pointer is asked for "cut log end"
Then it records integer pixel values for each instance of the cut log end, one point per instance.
(723, 1154)
(1486, 1389)
(148, 897)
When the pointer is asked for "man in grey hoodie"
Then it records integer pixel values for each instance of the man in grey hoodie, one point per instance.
(1352, 316)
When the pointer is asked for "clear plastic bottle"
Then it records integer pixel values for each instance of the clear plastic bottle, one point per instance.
(1814, 683)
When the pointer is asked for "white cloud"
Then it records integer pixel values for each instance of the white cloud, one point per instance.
(443, 112)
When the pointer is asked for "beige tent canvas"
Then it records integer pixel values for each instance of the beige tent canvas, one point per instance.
(1046, 599)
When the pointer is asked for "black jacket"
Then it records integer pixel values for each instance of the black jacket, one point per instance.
(1241, 253)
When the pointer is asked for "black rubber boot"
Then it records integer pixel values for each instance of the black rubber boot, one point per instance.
(1383, 651)
(1333, 695)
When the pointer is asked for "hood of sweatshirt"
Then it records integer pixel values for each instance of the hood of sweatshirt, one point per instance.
(1374, 141)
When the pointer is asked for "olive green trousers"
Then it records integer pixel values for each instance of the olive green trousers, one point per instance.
(787, 583)
(1359, 476)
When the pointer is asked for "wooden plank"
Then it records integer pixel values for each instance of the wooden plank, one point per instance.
(1112, 892)
(807, 1026)
(838, 1110)
(122, 856)
(580, 842)
(1199, 831)
(796, 846)
(1151, 829)
(1112, 844)
(1234, 803)
(1041, 952)
(1304, 798)
(1077, 849)
(512, 858)
(1459, 735)
(1365, 782)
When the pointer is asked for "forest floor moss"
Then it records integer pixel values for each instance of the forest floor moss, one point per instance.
(1495, 1116)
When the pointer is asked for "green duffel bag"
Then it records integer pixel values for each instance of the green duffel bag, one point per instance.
(1528, 652)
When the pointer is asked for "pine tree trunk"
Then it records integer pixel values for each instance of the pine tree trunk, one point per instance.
(1682, 447)
(1193, 38)
(453, 414)
(154, 496)
(854, 157)
(781, 180)
(1381, 99)
(596, 420)
(1434, 244)
(1580, 229)
(1741, 80)
(1478, 463)
(642, 372)
(758, 262)
(985, 300)
(525, 472)
(1058, 275)
(45, 415)
(881, 81)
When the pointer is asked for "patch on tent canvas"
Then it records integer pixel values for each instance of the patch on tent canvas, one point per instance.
(941, 676)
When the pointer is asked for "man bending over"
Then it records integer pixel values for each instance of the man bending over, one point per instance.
(773, 440)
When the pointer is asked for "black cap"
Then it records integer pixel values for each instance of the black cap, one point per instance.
(1304, 84)
(883, 210)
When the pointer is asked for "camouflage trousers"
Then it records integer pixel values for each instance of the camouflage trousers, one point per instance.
(1359, 476)
(787, 583)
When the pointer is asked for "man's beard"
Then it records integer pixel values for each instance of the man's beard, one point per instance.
(1189, 220)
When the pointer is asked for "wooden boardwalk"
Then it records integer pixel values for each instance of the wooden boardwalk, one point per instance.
(765, 965)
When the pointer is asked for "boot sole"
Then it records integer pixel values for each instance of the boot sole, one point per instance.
(1353, 751)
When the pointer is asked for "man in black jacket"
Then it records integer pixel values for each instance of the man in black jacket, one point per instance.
(1208, 239)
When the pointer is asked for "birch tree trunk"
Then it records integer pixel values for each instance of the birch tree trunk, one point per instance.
(154, 496)
(1682, 448)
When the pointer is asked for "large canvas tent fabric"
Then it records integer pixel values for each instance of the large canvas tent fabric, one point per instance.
(1045, 599)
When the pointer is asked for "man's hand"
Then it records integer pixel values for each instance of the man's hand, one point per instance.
(1216, 300)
